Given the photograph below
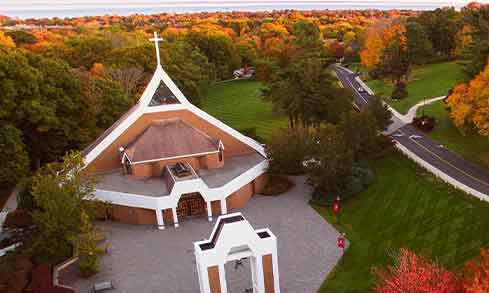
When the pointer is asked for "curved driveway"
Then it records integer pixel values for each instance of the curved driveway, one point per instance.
(415, 141)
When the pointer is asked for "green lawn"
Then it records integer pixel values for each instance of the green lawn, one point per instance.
(428, 81)
(406, 207)
(472, 147)
(238, 103)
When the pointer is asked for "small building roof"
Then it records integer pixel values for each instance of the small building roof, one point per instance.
(170, 138)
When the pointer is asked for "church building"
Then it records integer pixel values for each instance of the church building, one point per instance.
(165, 160)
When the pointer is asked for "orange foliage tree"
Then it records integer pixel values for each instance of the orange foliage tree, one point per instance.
(477, 274)
(414, 273)
(6, 40)
(469, 104)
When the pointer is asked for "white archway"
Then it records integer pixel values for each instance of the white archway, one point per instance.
(234, 238)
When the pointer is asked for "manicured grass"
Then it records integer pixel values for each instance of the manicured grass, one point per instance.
(238, 103)
(406, 207)
(472, 147)
(428, 81)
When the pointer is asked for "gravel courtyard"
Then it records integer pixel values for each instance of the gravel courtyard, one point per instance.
(144, 259)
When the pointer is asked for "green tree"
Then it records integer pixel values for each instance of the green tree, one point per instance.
(287, 149)
(381, 114)
(64, 198)
(361, 134)
(308, 93)
(21, 37)
(420, 49)
(84, 50)
(477, 16)
(307, 36)
(219, 50)
(330, 173)
(14, 158)
(442, 26)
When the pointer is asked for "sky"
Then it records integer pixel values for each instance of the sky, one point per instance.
(49, 8)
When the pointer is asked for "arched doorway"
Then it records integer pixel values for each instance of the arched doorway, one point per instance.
(191, 205)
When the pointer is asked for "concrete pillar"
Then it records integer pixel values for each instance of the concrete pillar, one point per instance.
(260, 278)
(222, 278)
(209, 211)
(159, 219)
(175, 217)
(224, 209)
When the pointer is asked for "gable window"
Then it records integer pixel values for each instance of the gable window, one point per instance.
(163, 96)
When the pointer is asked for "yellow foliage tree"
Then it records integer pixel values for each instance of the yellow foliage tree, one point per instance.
(6, 40)
(469, 103)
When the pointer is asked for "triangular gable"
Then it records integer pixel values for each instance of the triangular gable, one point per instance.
(144, 105)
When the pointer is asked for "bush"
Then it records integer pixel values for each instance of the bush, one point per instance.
(277, 184)
(359, 181)
(425, 123)
(89, 266)
(400, 91)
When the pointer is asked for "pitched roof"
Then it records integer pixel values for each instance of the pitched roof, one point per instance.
(169, 138)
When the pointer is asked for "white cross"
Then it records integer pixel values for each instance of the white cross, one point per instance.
(155, 39)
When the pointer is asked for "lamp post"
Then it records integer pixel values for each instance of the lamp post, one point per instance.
(337, 208)
(341, 244)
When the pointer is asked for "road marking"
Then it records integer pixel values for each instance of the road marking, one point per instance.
(446, 162)
(351, 84)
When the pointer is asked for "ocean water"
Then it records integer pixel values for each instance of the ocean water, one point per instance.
(38, 11)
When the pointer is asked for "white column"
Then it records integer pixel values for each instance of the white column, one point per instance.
(209, 211)
(159, 219)
(276, 279)
(175, 217)
(260, 278)
(222, 278)
(224, 209)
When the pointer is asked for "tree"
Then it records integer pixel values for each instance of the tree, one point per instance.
(476, 17)
(469, 104)
(361, 134)
(477, 274)
(21, 37)
(336, 49)
(386, 53)
(6, 40)
(442, 26)
(218, 47)
(413, 273)
(84, 51)
(308, 93)
(381, 114)
(64, 199)
(287, 149)
(329, 173)
(420, 49)
(14, 158)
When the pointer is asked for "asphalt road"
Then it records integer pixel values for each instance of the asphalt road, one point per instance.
(417, 142)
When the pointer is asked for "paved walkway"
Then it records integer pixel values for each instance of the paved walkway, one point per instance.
(143, 259)
(411, 114)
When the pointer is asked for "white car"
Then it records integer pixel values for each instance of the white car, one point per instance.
(361, 90)
(398, 135)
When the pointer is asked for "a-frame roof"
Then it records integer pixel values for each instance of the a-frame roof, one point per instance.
(162, 88)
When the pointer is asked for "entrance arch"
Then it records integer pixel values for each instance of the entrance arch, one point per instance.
(233, 238)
